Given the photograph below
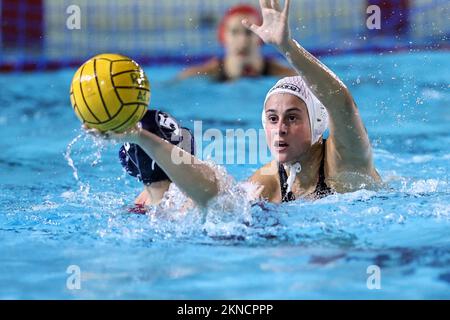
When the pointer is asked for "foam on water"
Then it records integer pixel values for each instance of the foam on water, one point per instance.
(65, 201)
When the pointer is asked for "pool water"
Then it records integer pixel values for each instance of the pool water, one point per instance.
(65, 202)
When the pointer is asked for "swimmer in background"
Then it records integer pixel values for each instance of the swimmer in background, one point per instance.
(296, 113)
(243, 56)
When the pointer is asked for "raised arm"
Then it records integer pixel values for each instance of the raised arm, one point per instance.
(346, 126)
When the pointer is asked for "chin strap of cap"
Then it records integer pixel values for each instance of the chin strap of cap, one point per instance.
(294, 169)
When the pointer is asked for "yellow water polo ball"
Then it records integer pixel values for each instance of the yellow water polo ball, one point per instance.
(110, 92)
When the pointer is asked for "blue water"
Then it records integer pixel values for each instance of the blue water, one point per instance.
(53, 216)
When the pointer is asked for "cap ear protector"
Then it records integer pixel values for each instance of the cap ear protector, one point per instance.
(136, 161)
(239, 9)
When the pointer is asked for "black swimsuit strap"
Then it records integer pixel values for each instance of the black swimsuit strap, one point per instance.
(266, 68)
(322, 189)
(221, 76)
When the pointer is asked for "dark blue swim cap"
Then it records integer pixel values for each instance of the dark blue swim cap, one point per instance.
(136, 161)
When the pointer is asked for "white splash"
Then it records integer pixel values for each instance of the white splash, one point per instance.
(68, 156)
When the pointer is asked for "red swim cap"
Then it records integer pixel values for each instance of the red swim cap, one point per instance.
(238, 9)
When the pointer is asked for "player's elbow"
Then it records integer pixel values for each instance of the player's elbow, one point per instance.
(208, 192)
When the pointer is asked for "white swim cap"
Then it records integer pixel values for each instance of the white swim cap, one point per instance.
(318, 115)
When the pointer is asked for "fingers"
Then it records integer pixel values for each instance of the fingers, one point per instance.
(90, 131)
(96, 133)
(255, 194)
(276, 5)
(127, 136)
(286, 7)
(259, 191)
(265, 4)
(251, 26)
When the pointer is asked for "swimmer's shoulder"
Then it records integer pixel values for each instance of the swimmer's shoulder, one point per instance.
(210, 68)
(267, 177)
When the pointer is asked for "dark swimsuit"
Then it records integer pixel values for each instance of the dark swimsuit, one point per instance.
(322, 190)
(222, 77)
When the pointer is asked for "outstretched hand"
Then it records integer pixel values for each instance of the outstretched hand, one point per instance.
(275, 27)
(130, 135)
